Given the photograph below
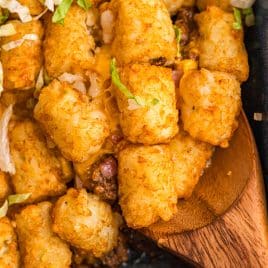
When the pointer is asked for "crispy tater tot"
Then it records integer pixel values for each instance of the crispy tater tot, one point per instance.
(39, 246)
(9, 254)
(143, 31)
(77, 127)
(67, 47)
(155, 121)
(190, 158)
(210, 104)
(86, 222)
(38, 171)
(223, 4)
(174, 5)
(35, 6)
(22, 64)
(5, 188)
(221, 46)
(146, 185)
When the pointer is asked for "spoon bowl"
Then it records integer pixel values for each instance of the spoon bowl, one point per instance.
(224, 222)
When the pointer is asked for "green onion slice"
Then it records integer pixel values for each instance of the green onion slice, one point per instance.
(237, 25)
(17, 198)
(178, 39)
(117, 82)
(61, 11)
(85, 4)
(4, 16)
(247, 11)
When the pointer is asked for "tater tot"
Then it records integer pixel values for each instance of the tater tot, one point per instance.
(35, 6)
(21, 65)
(76, 126)
(151, 123)
(86, 222)
(38, 171)
(223, 4)
(146, 185)
(67, 47)
(210, 104)
(143, 31)
(9, 254)
(5, 188)
(174, 5)
(39, 246)
(221, 47)
(190, 158)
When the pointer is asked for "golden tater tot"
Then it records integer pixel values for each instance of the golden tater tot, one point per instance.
(5, 188)
(151, 123)
(77, 127)
(21, 65)
(190, 158)
(223, 4)
(174, 5)
(210, 104)
(9, 254)
(143, 31)
(86, 222)
(67, 47)
(35, 6)
(39, 246)
(221, 47)
(38, 171)
(146, 185)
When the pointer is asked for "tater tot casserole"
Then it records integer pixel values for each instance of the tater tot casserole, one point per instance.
(110, 111)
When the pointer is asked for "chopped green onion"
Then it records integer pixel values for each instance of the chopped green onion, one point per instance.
(85, 4)
(249, 16)
(117, 81)
(61, 11)
(17, 198)
(177, 33)
(237, 25)
(4, 209)
(4, 16)
(178, 39)
(247, 11)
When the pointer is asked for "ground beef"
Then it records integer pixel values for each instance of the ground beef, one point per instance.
(189, 33)
(114, 259)
(158, 61)
(119, 255)
(103, 181)
(185, 22)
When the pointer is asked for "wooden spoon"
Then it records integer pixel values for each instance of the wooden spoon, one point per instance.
(224, 223)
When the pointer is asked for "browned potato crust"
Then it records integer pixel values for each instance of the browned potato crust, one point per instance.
(190, 158)
(174, 5)
(39, 246)
(146, 185)
(223, 4)
(22, 64)
(38, 170)
(67, 47)
(210, 105)
(5, 188)
(86, 222)
(151, 123)
(9, 253)
(35, 6)
(77, 127)
(143, 31)
(221, 46)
